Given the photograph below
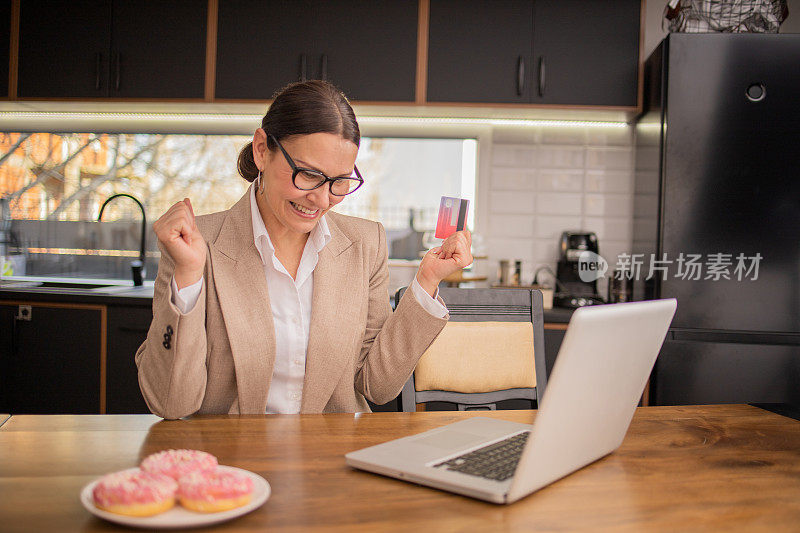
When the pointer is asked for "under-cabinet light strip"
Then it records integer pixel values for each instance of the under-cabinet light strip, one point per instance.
(221, 117)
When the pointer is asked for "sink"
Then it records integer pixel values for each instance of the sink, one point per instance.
(70, 285)
(79, 286)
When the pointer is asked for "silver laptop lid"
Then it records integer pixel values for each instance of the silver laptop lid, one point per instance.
(600, 373)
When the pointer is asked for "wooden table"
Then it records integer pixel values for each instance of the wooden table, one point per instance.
(709, 468)
(3, 418)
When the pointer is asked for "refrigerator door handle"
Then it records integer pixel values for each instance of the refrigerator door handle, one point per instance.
(736, 337)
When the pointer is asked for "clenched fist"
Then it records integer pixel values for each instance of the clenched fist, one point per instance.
(177, 231)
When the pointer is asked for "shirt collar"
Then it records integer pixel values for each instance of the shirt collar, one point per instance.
(318, 238)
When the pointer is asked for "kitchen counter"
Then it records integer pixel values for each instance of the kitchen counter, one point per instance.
(76, 290)
(124, 293)
(558, 315)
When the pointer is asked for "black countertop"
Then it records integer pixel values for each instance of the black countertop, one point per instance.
(113, 294)
(558, 315)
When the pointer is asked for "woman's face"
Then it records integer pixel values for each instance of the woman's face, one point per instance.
(290, 208)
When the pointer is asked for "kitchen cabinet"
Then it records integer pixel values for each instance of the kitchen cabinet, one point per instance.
(586, 52)
(50, 358)
(560, 52)
(367, 48)
(119, 49)
(127, 330)
(480, 51)
(5, 41)
(696, 372)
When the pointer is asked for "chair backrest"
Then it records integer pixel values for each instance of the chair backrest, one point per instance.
(492, 349)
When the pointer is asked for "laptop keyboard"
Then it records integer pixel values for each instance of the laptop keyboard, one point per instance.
(496, 461)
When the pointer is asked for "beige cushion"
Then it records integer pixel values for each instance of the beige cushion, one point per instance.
(478, 357)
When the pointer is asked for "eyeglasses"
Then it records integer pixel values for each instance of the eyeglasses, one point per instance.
(307, 179)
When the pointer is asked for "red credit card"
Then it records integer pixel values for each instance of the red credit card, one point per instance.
(452, 216)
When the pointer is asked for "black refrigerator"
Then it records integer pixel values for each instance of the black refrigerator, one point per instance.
(717, 215)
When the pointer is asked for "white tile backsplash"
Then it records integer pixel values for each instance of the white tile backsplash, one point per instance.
(508, 248)
(567, 180)
(646, 205)
(615, 205)
(610, 250)
(563, 135)
(609, 181)
(502, 225)
(647, 158)
(648, 182)
(513, 179)
(512, 202)
(560, 157)
(511, 155)
(516, 135)
(609, 137)
(617, 229)
(546, 251)
(610, 158)
(545, 180)
(550, 227)
(550, 203)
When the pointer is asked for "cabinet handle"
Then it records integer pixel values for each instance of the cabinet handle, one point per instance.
(116, 82)
(303, 67)
(98, 57)
(541, 76)
(323, 67)
(520, 75)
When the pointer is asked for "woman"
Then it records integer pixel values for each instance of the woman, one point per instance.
(277, 305)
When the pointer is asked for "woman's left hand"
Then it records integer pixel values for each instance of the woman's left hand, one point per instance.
(453, 255)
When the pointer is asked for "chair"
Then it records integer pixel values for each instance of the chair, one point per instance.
(492, 349)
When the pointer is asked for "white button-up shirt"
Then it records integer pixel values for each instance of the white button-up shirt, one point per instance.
(290, 300)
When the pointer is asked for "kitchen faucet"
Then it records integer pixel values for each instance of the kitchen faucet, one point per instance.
(137, 267)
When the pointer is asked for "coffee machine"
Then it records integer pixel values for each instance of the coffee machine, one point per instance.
(572, 291)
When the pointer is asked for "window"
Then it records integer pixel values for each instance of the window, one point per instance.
(52, 187)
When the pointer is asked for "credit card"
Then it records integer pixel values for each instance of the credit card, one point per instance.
(452, 216)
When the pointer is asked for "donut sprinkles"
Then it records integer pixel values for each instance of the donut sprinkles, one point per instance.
(135, 493)
(212, 492)
(178, 463)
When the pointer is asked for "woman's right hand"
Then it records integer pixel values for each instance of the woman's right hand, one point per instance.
(177, 231)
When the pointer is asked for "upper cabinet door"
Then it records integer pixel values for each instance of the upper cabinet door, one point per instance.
(5, 39)
(158, 49)
(586, 52)
(480, 51)
(64, 48)
(263, 45)
(368, 48)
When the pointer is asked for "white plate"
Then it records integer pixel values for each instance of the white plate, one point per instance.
(178, 516)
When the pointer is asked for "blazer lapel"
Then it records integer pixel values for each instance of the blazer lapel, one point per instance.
(242, 291)
(330, 338)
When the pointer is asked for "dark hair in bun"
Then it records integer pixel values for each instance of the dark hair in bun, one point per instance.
(303, 108)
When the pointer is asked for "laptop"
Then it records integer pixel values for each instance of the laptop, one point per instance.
(594, 388)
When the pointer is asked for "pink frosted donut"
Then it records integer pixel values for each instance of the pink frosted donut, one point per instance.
(211, 492)
(135, 493)
(177, 463)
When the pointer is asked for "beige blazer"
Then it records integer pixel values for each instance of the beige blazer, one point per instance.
(218, 358)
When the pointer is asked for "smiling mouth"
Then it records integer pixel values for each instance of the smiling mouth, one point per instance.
(304, 210)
